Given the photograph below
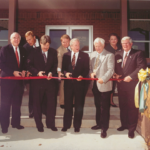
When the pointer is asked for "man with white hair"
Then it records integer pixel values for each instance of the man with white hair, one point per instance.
(76, 64)
(128, 62)
(101, 67)
(12, 59)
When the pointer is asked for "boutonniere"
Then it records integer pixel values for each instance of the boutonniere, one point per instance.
(79, 58)
(119, 60)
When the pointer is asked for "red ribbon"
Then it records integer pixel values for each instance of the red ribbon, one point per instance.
(45, 77)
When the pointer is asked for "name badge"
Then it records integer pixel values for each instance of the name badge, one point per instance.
(119, 60)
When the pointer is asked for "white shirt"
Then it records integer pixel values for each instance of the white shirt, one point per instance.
(36, 43)
(76, 56)
(124, 54)
(46, 53)
(17, 51)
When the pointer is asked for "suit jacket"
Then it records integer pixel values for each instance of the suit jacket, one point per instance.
(8, 62)
(81, 68)
(104, 70)
(60, 52)
(134, 63)
(35, 63)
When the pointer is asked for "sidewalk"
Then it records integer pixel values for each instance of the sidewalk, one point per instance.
(87, 139)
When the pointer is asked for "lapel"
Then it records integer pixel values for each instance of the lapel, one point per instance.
(78, 63)
(12, 53)
(128, 61)
(69, 61)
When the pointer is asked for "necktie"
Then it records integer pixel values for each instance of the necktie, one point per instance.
(34, 46)
(97, 62)
(45, 59)
(17, 57)
(73, 61)
(125, 59)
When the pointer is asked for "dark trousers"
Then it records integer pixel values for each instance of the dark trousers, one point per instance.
(38, 99)
(128, 111)
(11, 96)
(30, 104)
(73, 90)
(102, 104)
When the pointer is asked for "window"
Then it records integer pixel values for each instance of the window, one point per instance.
(83, 33)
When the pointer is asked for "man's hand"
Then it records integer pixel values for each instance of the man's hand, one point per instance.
(67, 74)
(116, 76)
(23, 73)
(49, 75)
(17, 74)
(28, 74)
(79, 77)
(100, 81)
(41, 73)
(127, 79)
(60, 74)
(93, 75)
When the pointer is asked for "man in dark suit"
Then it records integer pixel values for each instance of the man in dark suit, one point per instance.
(76, 64)
(12, 59)
(42, 62)
(128, 62)
(31, 45)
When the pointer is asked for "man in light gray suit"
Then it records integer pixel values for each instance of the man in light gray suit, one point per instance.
(102, 66)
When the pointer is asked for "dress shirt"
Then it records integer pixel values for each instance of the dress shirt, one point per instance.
(17, 51)
(46, 53)
(76, 56)
(124, 53)
(36, 43)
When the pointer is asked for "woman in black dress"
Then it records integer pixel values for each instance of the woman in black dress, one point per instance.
(113, 47)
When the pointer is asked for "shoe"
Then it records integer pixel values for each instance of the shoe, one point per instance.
(31, 115)
(77, 130)
(40, 129)
(103, 134)
(113, 105)
(4, 131)
(121, 128)
(62, 106)
(18, 127)
(53, 128)
(64, 129)
(96, 127)
(131, 135)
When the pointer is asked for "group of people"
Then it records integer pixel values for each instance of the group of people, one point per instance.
(39, 59)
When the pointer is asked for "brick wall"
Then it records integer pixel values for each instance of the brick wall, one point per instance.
(104, 22)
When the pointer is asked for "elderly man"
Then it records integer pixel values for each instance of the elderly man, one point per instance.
(128, 62)
(64, 48)
(102, 67)
(12, 59)
(42, 62)
(31, 45)
(75, 64)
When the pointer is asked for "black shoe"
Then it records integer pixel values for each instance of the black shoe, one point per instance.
(31, 115)
(40, 129)
(121, 128)
(77, 130)
(53, 128)
(18, 127)
(103, 134)
(62, 106)
(96, 127)
(4, 131)
(113, 105)
(64, 129)
(131, 135)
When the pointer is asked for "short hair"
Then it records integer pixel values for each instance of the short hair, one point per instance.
(45, 39)
(114, 34)
(126, 38)
(13, 34)
(29, 33)
(98, 39)
(74, 39)
(65, 36)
